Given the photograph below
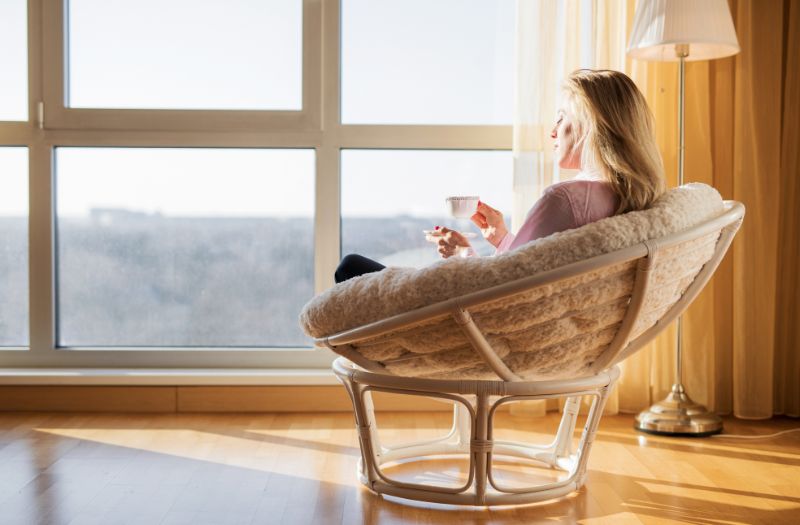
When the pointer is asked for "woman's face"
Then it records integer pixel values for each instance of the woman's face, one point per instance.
(567, 146)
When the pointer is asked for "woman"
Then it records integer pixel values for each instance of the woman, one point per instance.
(605, 130)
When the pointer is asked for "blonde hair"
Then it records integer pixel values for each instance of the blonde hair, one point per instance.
(617, 131)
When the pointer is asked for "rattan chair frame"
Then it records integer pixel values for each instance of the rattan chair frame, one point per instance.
(477, 401)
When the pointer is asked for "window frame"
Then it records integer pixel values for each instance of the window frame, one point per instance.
(58, 116)
(317, 126)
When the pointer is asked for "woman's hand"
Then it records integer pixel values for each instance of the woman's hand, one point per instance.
(451, 242)
(491, 223)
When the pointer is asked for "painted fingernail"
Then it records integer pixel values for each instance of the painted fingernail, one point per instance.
(436, 228)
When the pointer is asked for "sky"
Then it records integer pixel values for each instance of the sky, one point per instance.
(410, 62)
(13, 61)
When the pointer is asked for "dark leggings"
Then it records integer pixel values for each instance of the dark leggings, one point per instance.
(354, 265)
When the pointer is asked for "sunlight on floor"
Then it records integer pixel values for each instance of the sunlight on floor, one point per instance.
(192, 468)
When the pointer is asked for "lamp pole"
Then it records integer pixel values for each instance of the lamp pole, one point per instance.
(682, 51)
(678, 414)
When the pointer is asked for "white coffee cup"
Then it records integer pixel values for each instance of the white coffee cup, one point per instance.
(462, 207)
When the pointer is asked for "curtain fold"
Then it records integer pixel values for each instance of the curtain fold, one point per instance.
(756, 181)
(742, 334)
(535, 103)
(787, 325)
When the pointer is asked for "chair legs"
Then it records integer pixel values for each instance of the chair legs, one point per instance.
(471, 436)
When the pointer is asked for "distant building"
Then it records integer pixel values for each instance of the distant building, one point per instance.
(108, 216)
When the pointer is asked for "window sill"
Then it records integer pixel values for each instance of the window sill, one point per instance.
(166, 376)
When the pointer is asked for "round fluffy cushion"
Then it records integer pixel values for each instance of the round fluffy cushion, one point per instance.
(375, 296)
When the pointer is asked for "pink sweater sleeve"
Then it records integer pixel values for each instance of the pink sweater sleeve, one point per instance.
(505, 243)
(552, 213)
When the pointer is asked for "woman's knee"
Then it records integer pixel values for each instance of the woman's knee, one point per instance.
(349, 263)
(353, 265)
(352, 259)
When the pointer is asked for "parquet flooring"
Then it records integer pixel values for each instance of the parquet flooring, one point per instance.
(171, 469)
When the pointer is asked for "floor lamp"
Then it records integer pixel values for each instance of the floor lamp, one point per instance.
(678, 31)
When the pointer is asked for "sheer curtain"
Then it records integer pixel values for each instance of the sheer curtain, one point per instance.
(742, 335)
(553, 39)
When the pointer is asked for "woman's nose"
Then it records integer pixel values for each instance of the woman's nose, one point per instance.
(553, 133)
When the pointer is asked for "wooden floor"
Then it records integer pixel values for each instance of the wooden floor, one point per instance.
(300, 468)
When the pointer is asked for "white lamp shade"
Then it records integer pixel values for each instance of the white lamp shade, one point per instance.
(705, 25)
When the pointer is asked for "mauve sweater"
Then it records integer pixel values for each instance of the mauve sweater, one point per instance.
(564, 206)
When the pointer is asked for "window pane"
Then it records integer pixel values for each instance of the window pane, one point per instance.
(183, 247)
(184, 54)
(423, 62)
(13, 246)
(383, 216)
(13, 60)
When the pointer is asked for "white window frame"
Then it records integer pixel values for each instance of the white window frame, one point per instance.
(316, 126)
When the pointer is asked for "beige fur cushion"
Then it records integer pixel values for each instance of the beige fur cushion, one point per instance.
(376, 296)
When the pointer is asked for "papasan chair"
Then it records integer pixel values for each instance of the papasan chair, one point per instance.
(551, 319)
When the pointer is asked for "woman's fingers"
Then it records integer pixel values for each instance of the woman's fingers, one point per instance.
(494, 218)
(445, 248)
(449, 242)
(485, 208)
(480, 220)
(446, 235)
(452, 238)
(488, 212)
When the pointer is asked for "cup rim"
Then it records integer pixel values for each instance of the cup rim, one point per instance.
(462, 198)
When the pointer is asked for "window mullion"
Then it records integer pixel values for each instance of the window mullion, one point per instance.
(327, 232)
(40, 228)
(313, 12)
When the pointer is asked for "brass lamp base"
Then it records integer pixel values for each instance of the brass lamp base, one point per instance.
(677, 415)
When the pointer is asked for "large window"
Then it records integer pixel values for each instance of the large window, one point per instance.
(196, 169)
(183, 247)
(424, 62)
(236, 54)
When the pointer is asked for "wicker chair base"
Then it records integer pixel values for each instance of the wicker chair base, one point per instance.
(471, 436)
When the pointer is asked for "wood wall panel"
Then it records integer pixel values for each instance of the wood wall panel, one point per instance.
(88, 398)
(198, 399)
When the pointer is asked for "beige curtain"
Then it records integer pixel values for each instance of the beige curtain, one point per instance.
(742, 335)
(742, 350)
(787, 322)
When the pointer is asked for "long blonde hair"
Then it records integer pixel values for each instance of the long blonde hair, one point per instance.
(617, 131)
